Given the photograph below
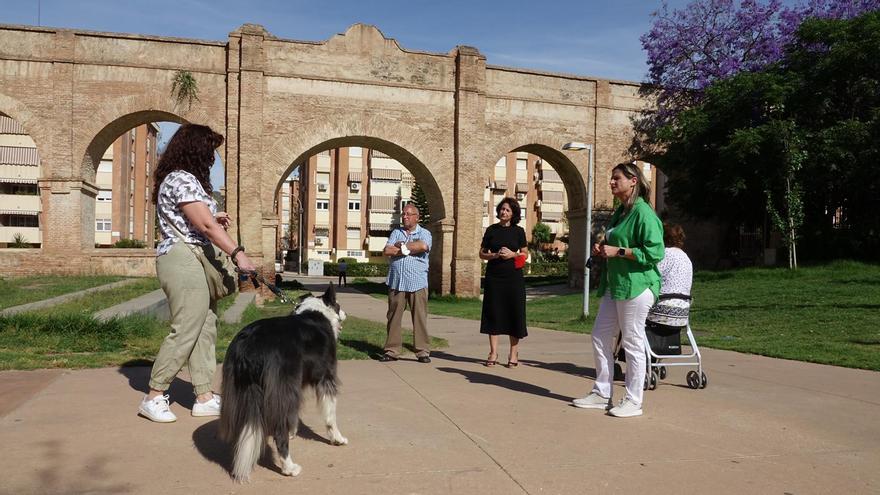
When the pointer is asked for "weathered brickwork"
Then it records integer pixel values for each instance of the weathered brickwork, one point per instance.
(446, 117)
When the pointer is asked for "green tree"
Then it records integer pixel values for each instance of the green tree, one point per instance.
(421, 201)
(797, 144)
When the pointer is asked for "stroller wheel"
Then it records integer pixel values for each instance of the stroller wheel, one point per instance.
(703, 381)
(662, 372)
(693, 380)
(653, 384)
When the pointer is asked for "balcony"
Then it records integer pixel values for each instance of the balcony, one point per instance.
(31, 235)
(19, 204)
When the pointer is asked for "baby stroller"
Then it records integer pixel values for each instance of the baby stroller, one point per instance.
(663, 327)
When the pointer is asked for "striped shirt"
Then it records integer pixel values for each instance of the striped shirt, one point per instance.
(409, 273)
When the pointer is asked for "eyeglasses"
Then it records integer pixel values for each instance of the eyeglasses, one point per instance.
(410, 214)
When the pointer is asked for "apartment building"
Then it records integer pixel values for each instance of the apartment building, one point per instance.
(20, 205)
(352, 199)
(123, 207)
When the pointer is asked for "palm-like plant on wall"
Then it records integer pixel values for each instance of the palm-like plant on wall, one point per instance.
(184, 88)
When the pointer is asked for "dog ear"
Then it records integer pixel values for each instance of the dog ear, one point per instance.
(329, 297)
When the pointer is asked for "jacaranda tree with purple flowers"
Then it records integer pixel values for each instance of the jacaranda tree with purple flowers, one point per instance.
(795, 144)
(709, 40)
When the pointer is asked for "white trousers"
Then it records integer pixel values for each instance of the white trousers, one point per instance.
(629, 316)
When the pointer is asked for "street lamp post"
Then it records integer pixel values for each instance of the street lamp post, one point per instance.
(588, 228)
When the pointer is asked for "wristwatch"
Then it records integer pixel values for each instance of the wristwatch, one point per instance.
(621, 252)
(404, 250)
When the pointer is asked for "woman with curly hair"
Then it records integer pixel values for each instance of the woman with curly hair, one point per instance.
(504, 295)
(188, 213)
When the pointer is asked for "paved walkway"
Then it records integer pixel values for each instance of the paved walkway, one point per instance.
(455, 427)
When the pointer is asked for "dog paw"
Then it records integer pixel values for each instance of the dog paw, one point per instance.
(291, 469)
(340, 440)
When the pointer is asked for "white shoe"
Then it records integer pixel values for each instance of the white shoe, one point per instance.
(209, 408)
(157, 409)
(626, 409)
(592, 401)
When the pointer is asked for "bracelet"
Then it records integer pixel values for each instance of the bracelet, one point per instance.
(404, 250)
(234, 252)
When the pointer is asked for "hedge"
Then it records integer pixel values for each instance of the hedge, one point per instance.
(357, 269)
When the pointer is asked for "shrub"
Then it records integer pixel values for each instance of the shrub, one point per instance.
(547, 268)
(129, 243)
(350, 261)
(19, 241)
(358, 269)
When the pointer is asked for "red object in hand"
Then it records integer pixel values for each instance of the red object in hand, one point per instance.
(519, 261)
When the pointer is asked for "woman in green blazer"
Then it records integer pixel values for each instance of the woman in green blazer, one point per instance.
(628, 288)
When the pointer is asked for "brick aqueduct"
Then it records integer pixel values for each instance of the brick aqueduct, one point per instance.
(447, 117)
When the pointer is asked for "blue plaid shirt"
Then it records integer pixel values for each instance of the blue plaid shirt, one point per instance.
(409, 273)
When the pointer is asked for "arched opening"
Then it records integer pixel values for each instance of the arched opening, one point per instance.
(342, 199)
(21, 209)
(122, 174)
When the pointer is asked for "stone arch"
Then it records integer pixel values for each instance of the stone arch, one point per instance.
(122, 114)
(536, 143)
(389, 136)
(31, 123)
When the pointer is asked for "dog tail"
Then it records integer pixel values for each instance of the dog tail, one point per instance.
(241, 416)
(248, 449)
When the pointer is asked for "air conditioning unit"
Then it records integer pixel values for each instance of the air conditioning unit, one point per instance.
(322, 187)
(538, 203)
(520, 196)
(355, 186)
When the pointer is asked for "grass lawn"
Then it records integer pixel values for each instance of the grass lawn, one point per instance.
(824, 314)
(74, 339)
(96, 301)
(17, 291)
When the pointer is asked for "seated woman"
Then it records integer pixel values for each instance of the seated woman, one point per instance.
(670, 314)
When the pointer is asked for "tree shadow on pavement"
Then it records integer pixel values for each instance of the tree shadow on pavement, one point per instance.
(500, 381)
(139, 379)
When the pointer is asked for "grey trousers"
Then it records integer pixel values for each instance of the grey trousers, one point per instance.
(418, 306)
(193, 335)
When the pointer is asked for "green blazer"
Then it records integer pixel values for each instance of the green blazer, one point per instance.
(641, 231)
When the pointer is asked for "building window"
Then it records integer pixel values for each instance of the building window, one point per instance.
(105, 195)
(105, 166)
(322, 204)
(102, 225)
(19, 221)
(354, 205)
(355, 151)
(522, 163)
(353, 234)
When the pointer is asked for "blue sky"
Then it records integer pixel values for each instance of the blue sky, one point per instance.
(586, 37)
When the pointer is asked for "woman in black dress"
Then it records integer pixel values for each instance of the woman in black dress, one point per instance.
(504, 297)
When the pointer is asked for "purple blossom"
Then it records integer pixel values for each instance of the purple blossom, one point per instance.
(707, 40)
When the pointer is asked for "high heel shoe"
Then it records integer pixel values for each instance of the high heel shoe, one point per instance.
(491, 362)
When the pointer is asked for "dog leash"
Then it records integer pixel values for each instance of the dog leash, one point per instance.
(257, 279)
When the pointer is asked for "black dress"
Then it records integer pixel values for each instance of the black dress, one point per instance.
(504, 294)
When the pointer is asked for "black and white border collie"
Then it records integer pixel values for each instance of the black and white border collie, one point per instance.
(267, 366)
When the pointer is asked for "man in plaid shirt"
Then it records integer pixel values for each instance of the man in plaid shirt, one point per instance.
(408, 248)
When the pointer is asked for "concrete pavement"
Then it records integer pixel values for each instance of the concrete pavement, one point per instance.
(454, 426)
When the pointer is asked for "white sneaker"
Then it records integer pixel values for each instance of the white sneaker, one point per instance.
(592, 401)
(626, 409)
(157, 409)
(209, 408)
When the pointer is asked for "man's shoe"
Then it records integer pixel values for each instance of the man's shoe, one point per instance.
(209, 408)
(384, 358)
(626, 409)
(157, 409)
(423, 359)
(592, 401)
